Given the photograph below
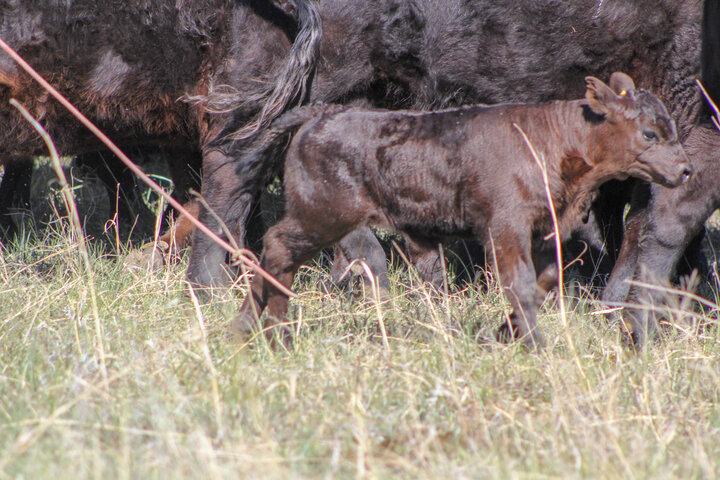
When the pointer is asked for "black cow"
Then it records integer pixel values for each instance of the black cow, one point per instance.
(426, 54)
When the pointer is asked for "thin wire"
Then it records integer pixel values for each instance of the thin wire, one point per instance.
(138, 171)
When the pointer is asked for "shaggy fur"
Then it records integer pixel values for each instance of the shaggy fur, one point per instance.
(127, 64)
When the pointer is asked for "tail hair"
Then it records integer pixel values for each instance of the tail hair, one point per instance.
(291, 83)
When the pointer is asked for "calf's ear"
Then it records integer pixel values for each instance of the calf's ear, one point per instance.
(621, 83)
(599, 96)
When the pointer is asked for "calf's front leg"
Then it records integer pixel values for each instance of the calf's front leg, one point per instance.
(517, 276)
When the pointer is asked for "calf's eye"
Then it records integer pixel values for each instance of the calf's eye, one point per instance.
(650, 136)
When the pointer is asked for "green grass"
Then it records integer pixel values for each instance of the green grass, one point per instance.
(180, 398)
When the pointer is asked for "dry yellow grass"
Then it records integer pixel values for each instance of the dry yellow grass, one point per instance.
(182, 400)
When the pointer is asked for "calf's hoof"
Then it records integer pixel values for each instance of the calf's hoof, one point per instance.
(246, 326)
(509, 333)
(634, 340)
(281, 337)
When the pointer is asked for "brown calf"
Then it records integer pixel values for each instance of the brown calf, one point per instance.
(464, 172)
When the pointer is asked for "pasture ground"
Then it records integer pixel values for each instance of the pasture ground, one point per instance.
(152, 386)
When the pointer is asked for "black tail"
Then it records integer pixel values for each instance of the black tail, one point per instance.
(291, 84)
(262, 160)
(711, 52)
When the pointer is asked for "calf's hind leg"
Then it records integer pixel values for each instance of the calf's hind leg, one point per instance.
(286, 246)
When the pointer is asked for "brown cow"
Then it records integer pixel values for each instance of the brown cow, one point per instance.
(126, 64)
(464, 172)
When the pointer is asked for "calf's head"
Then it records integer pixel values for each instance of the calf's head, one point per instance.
(639, 135)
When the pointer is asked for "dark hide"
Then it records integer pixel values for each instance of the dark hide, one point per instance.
(429, 54)
(121, 184)
(460, 173)
(126, 65)
(711, 52)
(14, 192)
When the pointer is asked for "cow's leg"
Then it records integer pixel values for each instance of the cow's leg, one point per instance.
(517, 276)
(362, 245)
(674, 218)
(221, 190)
(637, 219)
(14, 192)
(641, 220)
(425, 253)
(661, 248)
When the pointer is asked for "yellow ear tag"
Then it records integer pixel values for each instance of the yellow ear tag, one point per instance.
(623, 93)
